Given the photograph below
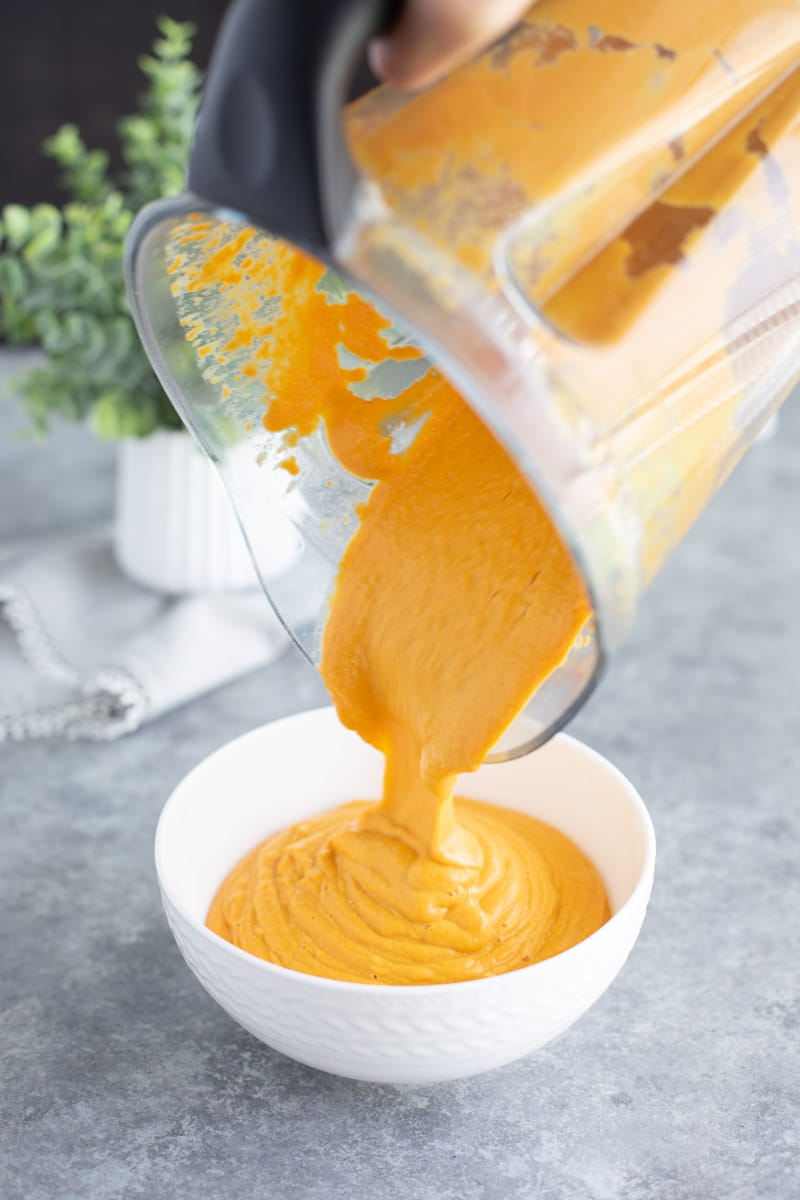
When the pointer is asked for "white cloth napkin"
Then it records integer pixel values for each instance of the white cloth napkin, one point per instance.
(85, 652)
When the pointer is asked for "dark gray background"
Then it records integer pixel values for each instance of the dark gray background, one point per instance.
(75, 60)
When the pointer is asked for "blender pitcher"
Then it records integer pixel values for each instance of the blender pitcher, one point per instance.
(592, 229)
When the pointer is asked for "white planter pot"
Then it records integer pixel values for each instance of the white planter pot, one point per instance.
(175, 529)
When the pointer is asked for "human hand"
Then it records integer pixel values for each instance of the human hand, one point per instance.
(432, 36)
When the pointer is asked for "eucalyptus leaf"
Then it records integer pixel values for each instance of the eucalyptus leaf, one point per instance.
(45, 218)
(12, 277)
(16, 225)
(61, 277)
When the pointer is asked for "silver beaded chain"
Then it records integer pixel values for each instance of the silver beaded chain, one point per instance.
(104, 704)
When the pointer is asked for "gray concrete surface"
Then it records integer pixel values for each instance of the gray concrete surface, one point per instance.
(121, 1078)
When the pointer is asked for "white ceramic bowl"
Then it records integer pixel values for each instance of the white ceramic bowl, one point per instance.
(306, 763)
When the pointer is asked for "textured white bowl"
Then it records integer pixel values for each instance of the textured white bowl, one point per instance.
(307, 763)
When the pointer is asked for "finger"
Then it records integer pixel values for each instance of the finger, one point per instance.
(433, 36)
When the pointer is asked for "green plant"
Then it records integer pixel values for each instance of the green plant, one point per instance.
(61, 281)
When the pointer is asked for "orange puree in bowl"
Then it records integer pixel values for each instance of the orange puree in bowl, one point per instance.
(454, 600)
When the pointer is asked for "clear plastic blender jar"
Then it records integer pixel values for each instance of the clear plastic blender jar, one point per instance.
(593, 229)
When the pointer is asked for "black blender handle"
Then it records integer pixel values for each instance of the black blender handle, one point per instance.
(269, 142)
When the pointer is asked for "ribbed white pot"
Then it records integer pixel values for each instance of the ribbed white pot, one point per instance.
(175, 528)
